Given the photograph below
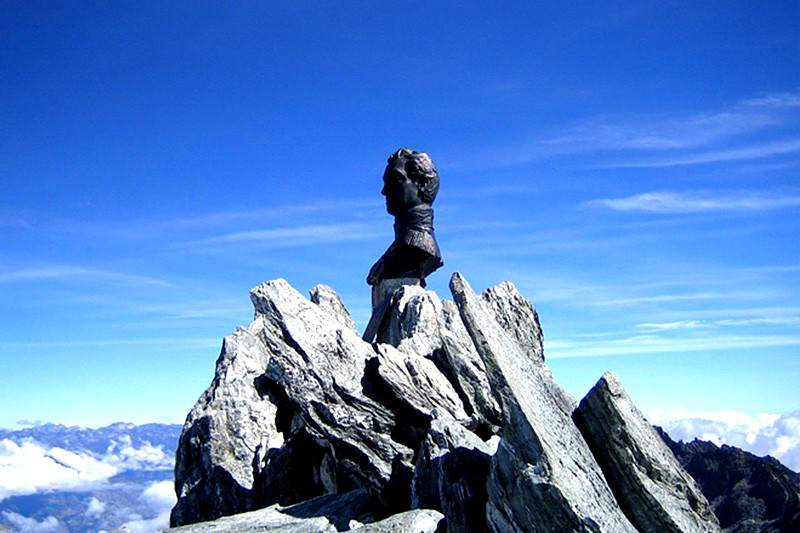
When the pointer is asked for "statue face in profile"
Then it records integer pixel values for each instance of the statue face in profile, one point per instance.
(410, 180)
(400, 191)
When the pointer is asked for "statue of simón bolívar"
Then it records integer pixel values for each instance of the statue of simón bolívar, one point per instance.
(410, 185)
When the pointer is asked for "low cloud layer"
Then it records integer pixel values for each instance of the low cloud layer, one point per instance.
(29, 467)
(23, 524)
(777, 435)
(159, 498)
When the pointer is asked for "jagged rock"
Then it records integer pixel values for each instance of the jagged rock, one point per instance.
(517, 316)
(415, 383)
(543, 476)
(325, 514)
(412, 321)
(649, 483)
(420, 324)
(329, 300)
(222, 435)
(450, 475)
(315, 373)
(749, 494)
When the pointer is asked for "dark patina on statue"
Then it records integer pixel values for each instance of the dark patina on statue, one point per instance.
(410, 185)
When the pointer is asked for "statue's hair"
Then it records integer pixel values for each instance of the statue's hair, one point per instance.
(420, 169)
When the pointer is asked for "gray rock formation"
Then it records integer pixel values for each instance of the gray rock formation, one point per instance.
(651, 486)
(450, 474)
(421, 324)
(327, 299)
(223, 435)
(316, 367)
(543, 476)
(301, 409)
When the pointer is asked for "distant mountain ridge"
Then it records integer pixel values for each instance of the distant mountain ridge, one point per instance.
(748, 493)
(97, 440)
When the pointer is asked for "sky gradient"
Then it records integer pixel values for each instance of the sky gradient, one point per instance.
(632, 169)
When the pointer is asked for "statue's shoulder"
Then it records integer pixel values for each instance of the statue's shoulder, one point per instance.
(422, 240)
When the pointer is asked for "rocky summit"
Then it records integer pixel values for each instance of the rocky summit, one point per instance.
(450, 422)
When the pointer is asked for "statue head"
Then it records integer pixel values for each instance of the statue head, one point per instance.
(410, 179)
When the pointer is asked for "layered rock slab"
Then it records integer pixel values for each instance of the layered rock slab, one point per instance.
(416, 383)
(543, 476)
(653, 489)
(223, 435)
(317, 367)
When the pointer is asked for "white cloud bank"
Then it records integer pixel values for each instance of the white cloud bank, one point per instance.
(30, 467)
(160, 498)
(23, 524)
(772, 434)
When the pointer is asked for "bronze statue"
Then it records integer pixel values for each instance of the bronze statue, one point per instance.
(410, 185)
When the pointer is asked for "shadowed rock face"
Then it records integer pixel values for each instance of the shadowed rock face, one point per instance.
(223, 434)
(543, 476)
(649, 483)
(748, 493)
(450, 474)
(318, 366)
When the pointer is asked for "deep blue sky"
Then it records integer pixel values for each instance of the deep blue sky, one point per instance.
(632, 168)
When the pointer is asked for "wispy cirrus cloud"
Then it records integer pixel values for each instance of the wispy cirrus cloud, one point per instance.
(742, 153)
(160, 342)
(725, 322)
(289, 211)
(653, 133)
(775, 100)
(649, 344)
(670, 202)
(78, 273)
(744, 130)
(303, 235)
(676, 132)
